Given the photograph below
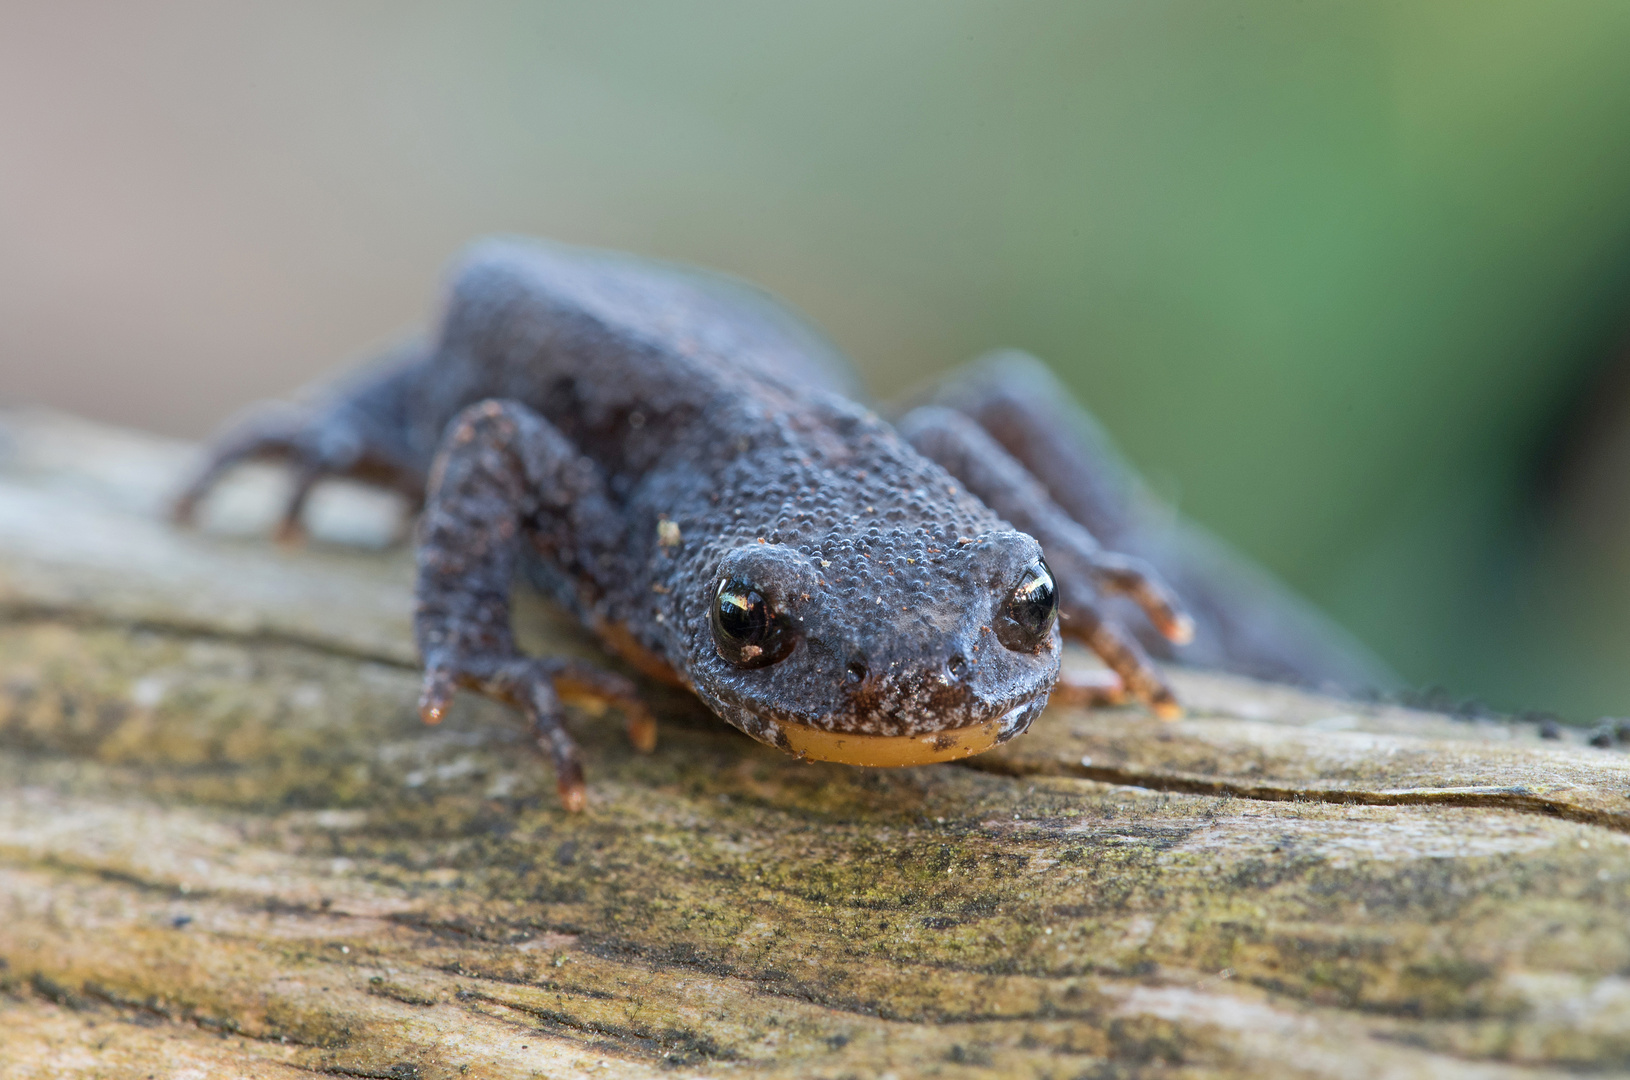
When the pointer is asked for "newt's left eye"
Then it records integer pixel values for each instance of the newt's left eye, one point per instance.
(747, 631)
(1030, 610)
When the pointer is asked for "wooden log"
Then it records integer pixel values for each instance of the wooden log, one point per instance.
(228, 847)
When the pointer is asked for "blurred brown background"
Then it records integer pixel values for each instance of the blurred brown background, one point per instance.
(1346, 281)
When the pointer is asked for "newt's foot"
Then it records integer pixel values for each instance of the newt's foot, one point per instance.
(1120, 651)
(1121, 575)
(318, 445)
(538, 687)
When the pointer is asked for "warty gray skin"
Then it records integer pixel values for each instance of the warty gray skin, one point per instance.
(633, 435)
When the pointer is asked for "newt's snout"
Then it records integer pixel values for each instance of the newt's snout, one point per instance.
(896, 695)
(912, 717)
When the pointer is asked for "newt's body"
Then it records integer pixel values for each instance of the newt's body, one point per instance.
(677, 458)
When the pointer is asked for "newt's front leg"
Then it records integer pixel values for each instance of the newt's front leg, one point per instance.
(506, 476)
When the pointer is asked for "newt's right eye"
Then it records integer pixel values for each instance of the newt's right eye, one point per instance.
(747, 631)
(1030, 611)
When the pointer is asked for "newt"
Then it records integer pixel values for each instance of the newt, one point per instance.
(684, 462)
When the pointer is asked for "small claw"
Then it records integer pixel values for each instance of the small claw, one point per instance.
(435, 696)
(184, 511)
(592, 691)
(290, 533)
(642, 729)
(1133, 578)
(1122, 653)
(574, 794)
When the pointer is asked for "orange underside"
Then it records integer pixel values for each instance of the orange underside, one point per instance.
(883, 751)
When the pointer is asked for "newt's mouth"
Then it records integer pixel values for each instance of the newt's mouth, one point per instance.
(886, 751)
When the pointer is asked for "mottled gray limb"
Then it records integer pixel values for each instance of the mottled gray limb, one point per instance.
(507, 479)
(1246, 621)
(356, 429)
(1083, 569)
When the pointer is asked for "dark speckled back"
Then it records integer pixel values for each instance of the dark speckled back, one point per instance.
(716, 419)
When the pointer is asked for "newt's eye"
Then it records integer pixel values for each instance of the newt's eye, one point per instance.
(1030, 610)
(746, 630)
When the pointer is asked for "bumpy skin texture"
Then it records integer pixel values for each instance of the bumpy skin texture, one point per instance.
(1245, 621)
(632, 435)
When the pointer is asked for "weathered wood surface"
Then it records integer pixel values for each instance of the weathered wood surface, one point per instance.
(227, 847)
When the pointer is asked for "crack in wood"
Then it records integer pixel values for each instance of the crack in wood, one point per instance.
(1515, 799)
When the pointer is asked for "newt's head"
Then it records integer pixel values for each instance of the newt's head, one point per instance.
(891, 647)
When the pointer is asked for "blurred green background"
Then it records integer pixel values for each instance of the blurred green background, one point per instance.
(1347, 281)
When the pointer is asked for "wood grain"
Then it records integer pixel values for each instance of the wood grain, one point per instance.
(228, 847)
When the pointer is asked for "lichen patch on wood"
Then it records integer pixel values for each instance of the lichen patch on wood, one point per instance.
(229, 845)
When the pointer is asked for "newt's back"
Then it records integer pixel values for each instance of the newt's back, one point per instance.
(543, 312)
(641, 364)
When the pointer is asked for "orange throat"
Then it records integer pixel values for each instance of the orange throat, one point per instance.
(885, 751)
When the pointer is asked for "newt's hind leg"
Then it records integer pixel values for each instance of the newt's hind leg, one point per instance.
(507, 477)
(361, 431)
(1084, 570)
(1023, 406)
(1245, 620)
